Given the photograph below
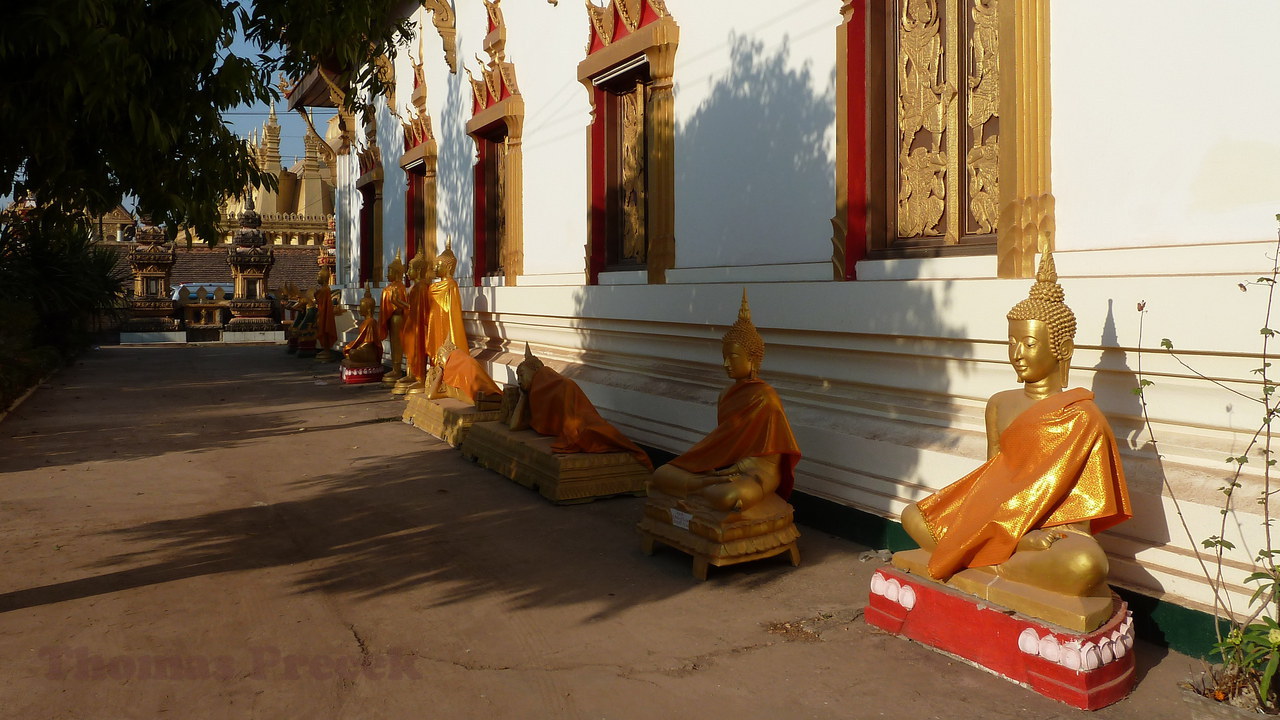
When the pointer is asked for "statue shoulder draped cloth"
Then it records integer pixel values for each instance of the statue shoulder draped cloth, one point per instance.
(370, 334)
(392, 295)
(445, 316)
(326, 323)
(413, 334)
(464, 372)
(750, 423)
(1057, 464)
(558, 407)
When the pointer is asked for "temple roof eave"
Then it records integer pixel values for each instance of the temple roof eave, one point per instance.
(311, 91)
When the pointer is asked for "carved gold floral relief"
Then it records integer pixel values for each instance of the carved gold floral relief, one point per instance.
(983, 160)
(924, 99)
(633, 180)
(947, 67)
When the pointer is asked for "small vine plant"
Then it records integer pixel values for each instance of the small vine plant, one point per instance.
(1250, 648)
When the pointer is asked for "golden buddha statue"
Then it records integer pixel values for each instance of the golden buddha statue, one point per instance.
(395, 301)
(413, 336)
(457, 375)
(365, 350)
(304, 326)
(1053, 478)
(326, 317)
(724, 500)
(552, 404)
(444, 322)
(751, 453)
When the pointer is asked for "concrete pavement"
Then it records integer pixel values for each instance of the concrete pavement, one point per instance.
(228, 532)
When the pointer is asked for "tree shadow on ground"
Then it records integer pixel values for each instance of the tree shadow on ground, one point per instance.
(408, 516)
(118, 404)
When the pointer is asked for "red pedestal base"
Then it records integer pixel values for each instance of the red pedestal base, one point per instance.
(357, 375)
(1086, 670)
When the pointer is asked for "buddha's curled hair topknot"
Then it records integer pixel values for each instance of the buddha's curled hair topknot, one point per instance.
(1045, 303)
(744, 334)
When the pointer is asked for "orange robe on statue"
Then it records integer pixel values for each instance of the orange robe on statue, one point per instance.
(1058, 464)
(445, 323)
(393, 294)
(326, 323)
(413, 334)
(558, 407)
(463, 372)
(370, 334)
(751, 423)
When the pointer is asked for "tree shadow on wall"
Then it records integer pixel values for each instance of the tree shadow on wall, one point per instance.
(454, 170)
(752, 161)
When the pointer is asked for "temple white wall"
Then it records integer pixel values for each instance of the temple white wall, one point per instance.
(1163, 173)
(1162, 122)
(754, 138)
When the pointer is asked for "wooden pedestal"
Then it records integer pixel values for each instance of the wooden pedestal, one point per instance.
(718, 538)
(526, 457)
(445, 418)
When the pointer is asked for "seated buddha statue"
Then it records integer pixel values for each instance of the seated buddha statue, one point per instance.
(751, 454)
(365, 350)
(552, 404)
(1052, 478)
(395, 301)
(455, 374)
(444, 323)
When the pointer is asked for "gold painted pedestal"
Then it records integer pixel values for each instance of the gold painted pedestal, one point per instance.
(445, 418)
(1078, 614)
(526, 457)
(714, 537)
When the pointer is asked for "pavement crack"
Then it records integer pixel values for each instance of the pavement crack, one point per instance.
(706, 660)
(813, 628)
(365, 661)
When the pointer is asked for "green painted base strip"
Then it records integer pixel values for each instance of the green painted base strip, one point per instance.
(1157, 621)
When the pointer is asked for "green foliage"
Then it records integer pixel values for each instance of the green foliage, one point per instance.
(106, 98)
(1250, 650)
(55, 281)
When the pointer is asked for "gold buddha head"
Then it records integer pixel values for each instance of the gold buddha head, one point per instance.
(1042, 329)
(367, 303)
(527, 368)
(742, 347)
(395, 270)
(447, 262)
(417, 266)
(323, 277)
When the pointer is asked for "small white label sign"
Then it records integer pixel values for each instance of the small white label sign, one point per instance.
(680, 519)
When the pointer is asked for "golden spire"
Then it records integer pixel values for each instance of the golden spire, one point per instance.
(744, 332)
(1045, 302)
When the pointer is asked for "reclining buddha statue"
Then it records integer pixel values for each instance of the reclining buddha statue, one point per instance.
(552, 404)
(724, 500)
(1052, 479)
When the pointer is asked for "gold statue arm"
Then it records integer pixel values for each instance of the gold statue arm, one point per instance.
(435, 381)
(520, 415)
(993, 433)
